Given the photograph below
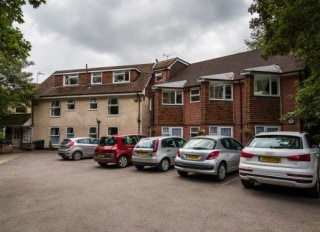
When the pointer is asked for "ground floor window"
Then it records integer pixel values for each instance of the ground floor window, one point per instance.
(172, 131)
(92, 132)
(194, 131)
(260, 128)
(221, 130)
(70, 132)
(112, 130)
(55, 135)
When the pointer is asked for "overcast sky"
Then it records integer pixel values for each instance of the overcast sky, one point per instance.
(68, 34)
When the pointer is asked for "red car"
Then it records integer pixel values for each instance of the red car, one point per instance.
(116, 149)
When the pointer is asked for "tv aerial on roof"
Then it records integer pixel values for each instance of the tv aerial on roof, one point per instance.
(167, 55)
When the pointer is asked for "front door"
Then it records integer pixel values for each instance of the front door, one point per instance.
(16, 137)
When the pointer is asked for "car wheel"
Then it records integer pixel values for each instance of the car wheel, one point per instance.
(315, 190)
(122, 161)
(182, 173)
(139, 167)
(103, 164)
(77, 155)
(65, 157)
(164, 165)
(247, 183)
(221, 172)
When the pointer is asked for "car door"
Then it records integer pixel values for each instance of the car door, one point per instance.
(170, 148)
(235, 148)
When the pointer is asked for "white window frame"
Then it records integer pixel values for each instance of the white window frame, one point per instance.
(109, 128)
(266, 128)
(71, 105)
(54, 108)
(269, 80)
(175, 97)
(70, 132)
(158, 76)
(194, 131)
(92, 102)
(171, 131)
(54, 137)
(218, 130)
(224, 97)
(93, 134)
(95, 76)
(71, 79)
(110, 105)
(121, 76)
(195, 95)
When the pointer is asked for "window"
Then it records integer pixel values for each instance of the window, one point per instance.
(172, 131)
(93, 103)
(220, 91)
(194, 95)
(55, 108)
(55, 135)
(70, 105)
(112, 130)
(260, 129)
(194, 131)
(121, 76)
(172, 97)
(96, 78)
(70, 132)
(71, 79)
(266, 85)
(113, 106)
(92, 132)
(158, 76)
(220, 130)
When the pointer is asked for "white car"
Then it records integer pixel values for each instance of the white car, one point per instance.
(281, 158)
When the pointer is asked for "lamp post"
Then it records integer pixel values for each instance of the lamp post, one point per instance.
(38, 74)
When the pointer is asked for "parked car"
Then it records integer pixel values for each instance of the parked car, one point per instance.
(77, 148)
(211, 155)
(116, 149)
(281, 158)
(157, 151)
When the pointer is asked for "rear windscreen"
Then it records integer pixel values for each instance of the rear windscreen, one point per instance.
(145, 143)
(276, 141)
(108, 141)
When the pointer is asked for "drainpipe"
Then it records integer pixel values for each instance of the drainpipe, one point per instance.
(98, 131)
(138, 99)
(241, 122)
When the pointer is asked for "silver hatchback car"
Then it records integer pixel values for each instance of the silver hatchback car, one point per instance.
(77, 148)
(157, 151)
(281, 158)
(211, 155)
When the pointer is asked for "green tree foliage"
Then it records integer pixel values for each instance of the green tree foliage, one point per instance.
(292, 28)
(15, 85)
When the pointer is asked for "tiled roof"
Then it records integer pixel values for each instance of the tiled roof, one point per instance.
(167, 63)
(15, 120)
(235, 63)
(48, 88)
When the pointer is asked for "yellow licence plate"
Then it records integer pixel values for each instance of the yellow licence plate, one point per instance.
(100, 155)
(270, 159)
(193, 157)
(141, 154)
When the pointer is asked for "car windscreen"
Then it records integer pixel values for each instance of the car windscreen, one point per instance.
(145, 143)
(108, 141)
(277, 142)
(200, 144)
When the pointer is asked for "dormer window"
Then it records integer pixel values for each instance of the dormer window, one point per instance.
(265, 85)
(121, 76)
(96, 78)
(71, 79)
(158, 76)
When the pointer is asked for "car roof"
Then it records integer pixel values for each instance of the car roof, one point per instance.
(80, 138)
(211, 136)
(120, 135)
(293, 133)
(163, 137)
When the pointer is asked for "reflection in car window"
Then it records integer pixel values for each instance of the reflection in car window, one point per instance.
(201, 144)
(277, 142)
(108, 141)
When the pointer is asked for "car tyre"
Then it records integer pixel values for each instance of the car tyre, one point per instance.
(139, 167)
(65, 157)
(221, 172)
(182, 173)
(103, 164)
(76, 155)
(164, 165)
(247, 183)
(315, 190)
(122, 161)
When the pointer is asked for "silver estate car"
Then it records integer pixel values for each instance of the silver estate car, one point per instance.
(281, 158)
(77, 148)
(157, 151)
(211, 155)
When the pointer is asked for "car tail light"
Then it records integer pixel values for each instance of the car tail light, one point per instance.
(245, 154)
(212, 155)
(178, 154)
(155, 147)
(71, 144)
(304, 157)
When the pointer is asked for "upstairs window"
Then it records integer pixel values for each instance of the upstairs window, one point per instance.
(96, 78)
(55, 109)
(121, 76)
(172, 97)
(158, 76)
(266, 85)
(70, 105)
(195, 95)
(220, 91)
(113, 106)
(71, 79)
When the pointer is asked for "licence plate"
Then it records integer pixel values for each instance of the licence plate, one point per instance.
(270, 159)
(141, 154)
(100, 155)
(193, 157)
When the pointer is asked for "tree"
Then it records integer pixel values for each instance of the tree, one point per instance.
(291, 28)
(15, 85)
